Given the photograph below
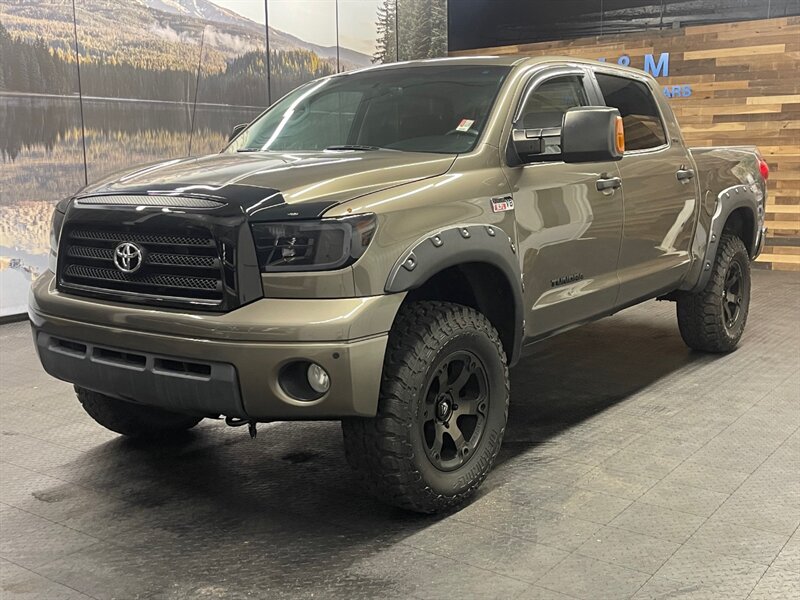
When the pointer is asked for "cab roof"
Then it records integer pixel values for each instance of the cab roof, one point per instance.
(509, 60)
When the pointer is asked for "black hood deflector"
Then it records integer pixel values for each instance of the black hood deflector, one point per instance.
(257, 203)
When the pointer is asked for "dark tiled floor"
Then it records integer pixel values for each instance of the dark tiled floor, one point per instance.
(632, 468)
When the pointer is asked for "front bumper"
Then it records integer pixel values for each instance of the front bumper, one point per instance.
(216, 363)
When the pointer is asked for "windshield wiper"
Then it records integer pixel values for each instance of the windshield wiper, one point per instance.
(354, 147)
(249, 150)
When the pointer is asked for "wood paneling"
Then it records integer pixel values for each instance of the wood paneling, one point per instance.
(745, 80)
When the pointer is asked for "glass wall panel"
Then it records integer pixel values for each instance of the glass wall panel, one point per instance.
(41, 150)
(367, 33)
(422, 29)
(302, 42)
(138, 76)
(233, 86)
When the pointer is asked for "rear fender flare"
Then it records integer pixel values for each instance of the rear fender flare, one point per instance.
(728, 201)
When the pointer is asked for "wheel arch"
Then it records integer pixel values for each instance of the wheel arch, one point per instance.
(737, 211)
(741, 221)
(473, 265)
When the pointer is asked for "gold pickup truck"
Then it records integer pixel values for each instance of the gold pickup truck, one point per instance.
(380, 246)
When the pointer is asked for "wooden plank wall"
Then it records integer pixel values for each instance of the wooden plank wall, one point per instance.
(745, 80)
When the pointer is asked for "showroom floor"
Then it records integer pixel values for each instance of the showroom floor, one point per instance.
(631, 468)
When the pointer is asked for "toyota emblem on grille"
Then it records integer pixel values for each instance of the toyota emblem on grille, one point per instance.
(128, 257)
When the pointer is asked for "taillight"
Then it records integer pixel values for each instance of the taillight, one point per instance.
(764, 168)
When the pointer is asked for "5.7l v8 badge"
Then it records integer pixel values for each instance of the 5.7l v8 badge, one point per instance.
(502, 203)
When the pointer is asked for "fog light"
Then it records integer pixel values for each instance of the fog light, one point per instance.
(318, 378)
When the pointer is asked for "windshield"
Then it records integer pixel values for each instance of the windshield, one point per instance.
(412, 109)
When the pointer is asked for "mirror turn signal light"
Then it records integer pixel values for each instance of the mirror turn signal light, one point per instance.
(619, 135)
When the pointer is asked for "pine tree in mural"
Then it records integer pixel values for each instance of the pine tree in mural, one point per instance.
(438, 28)
(386, 44)
(417, 39)
(411, 29)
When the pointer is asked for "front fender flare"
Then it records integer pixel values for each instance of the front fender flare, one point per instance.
(459, 245)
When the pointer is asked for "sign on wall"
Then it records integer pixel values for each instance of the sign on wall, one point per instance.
(657, 66)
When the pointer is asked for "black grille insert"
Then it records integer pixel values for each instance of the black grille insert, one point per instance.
(176, 266)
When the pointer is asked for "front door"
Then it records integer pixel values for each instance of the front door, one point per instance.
(660, 195)
(568, 232)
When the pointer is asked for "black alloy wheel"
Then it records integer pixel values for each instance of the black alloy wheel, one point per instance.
(454, 413)
(442, 409)
(732, 295)
(713, 319)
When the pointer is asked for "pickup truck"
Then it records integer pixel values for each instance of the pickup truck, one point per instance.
(380, 246)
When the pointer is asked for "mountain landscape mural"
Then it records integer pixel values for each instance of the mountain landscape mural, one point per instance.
(159, 79)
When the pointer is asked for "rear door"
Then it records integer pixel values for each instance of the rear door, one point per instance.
(568, 232)
(658, 189)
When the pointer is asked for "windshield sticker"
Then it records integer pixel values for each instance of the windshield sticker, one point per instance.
(465, 125)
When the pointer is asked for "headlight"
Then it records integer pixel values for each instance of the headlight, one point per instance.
(55, 233)
(319, 245)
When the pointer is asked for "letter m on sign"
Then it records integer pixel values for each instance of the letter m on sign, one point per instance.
(657, 70)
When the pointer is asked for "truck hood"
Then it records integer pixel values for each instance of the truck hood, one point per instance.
(289, 185)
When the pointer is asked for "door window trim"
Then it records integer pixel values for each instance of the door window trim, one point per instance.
(542, 75)
(644, 81)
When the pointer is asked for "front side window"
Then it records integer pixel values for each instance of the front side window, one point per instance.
(640, 116)
(544, 107)
(412, 109)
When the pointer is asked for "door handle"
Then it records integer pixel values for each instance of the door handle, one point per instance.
(683, 174)
(608, 183)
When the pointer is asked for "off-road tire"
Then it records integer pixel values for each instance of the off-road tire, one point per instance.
(388, 451)
(701, 316)
(135, 420)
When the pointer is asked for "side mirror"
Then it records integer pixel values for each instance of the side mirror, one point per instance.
(237, 129)
(592, 134)
(587, 134)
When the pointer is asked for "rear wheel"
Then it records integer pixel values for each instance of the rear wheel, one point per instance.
(713, 319)
(441, 413)
(131, 419)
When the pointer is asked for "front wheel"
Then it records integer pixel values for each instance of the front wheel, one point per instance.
(441, 413)
(135, 420)
(713, 319)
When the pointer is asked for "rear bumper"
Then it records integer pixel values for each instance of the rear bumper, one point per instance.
(217, 364)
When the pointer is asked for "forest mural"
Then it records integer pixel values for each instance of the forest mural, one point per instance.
(88, 87)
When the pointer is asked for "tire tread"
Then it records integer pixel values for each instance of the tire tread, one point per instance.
(130, 419)
(379, 449)
(700, 317)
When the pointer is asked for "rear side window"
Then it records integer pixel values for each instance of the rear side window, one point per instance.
(643, 126)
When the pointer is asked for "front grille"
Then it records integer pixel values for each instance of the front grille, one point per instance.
(181, 266)
(122, 236)
(173, 281)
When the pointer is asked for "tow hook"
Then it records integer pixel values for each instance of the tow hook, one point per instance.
(251, 425)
